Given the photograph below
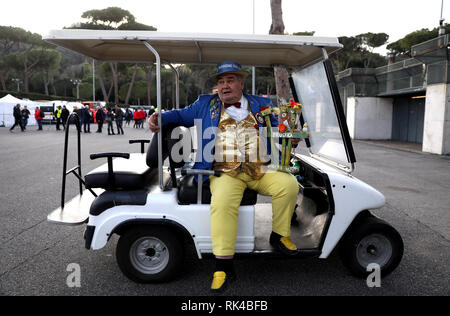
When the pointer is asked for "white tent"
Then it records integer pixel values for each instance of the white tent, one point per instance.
(7, 104)
(10, 99)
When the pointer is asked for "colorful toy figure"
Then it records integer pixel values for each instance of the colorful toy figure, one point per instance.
(288, 118)
(305, 127)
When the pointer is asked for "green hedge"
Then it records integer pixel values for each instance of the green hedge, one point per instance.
(35, 96)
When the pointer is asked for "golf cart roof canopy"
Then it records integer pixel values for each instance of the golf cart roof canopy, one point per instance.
(190, 48)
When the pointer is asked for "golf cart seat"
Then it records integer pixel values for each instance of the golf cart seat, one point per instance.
(133, 171)
(127, 174)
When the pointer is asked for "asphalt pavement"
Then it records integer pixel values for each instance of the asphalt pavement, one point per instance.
(35, 256)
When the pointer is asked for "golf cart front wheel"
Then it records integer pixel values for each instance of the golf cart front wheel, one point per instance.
(372, 242)
(149, 255)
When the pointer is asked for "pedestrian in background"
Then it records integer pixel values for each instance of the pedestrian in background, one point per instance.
(135, 118)
(78, 112)
(25, 116)
(57, 114)
(39, 116)
(128, 116)
(142, 117)
(86, 118)
(17, 118)
(100, 118)
(119, 120)
(109, 119)
(64, 116)
(151, 111)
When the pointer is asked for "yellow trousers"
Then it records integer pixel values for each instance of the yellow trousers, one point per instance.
(227, 194)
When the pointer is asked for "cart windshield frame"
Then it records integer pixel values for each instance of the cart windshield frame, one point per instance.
(315, 87)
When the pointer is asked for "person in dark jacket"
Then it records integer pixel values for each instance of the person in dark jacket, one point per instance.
(128, 116)
(119, 119)
(100, 118)
(25, 116)
(151, 111)
(86, 118)
(64, 116)
(109, 119)
(17, 118)
(78, 112)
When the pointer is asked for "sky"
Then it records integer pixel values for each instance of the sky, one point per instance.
(326, 17)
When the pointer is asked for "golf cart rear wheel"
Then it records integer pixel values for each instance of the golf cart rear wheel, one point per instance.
(149, 254)
(373, 241)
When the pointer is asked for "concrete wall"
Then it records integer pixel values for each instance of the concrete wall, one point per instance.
(436, 134)
(369, 117)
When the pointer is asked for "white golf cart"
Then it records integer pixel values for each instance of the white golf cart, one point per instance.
(155, 209)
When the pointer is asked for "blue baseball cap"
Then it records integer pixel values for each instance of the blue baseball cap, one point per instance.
(229, 67)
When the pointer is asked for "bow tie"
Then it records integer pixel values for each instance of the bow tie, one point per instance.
(237, 105)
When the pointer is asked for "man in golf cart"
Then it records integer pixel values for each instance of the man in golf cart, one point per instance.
(234, 113)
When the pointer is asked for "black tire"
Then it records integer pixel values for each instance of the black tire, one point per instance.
(372, 240)
(149, 254)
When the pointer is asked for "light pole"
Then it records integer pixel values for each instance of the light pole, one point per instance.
(77, 83)
(18, 81)
(253, 68)
(441, 21)
(93, 80)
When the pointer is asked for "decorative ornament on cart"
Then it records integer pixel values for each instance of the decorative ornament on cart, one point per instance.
(288, 116)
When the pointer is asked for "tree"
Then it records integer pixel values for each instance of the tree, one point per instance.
(25, 63)
(351, 51)
(84, 90)
(99, 76)
(358, 51)
(115, 80)
(265, 83)
(14, 40)
(281, 74)
(112, 18)
(372, 41)
(133, 78)
(135, 26)
(48, 66)
(148, 69)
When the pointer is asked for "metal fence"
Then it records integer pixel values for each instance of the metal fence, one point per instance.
(406, 76)
(432, 50)
(397, 78)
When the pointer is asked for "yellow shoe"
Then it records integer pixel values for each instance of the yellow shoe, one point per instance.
(221, 282)
(283, 245)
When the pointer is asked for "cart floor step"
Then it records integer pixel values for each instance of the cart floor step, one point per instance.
(75, 212)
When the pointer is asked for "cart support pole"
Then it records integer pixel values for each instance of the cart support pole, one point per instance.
(158, 104)
(324, 53)
(177, 86)
(74, 118)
